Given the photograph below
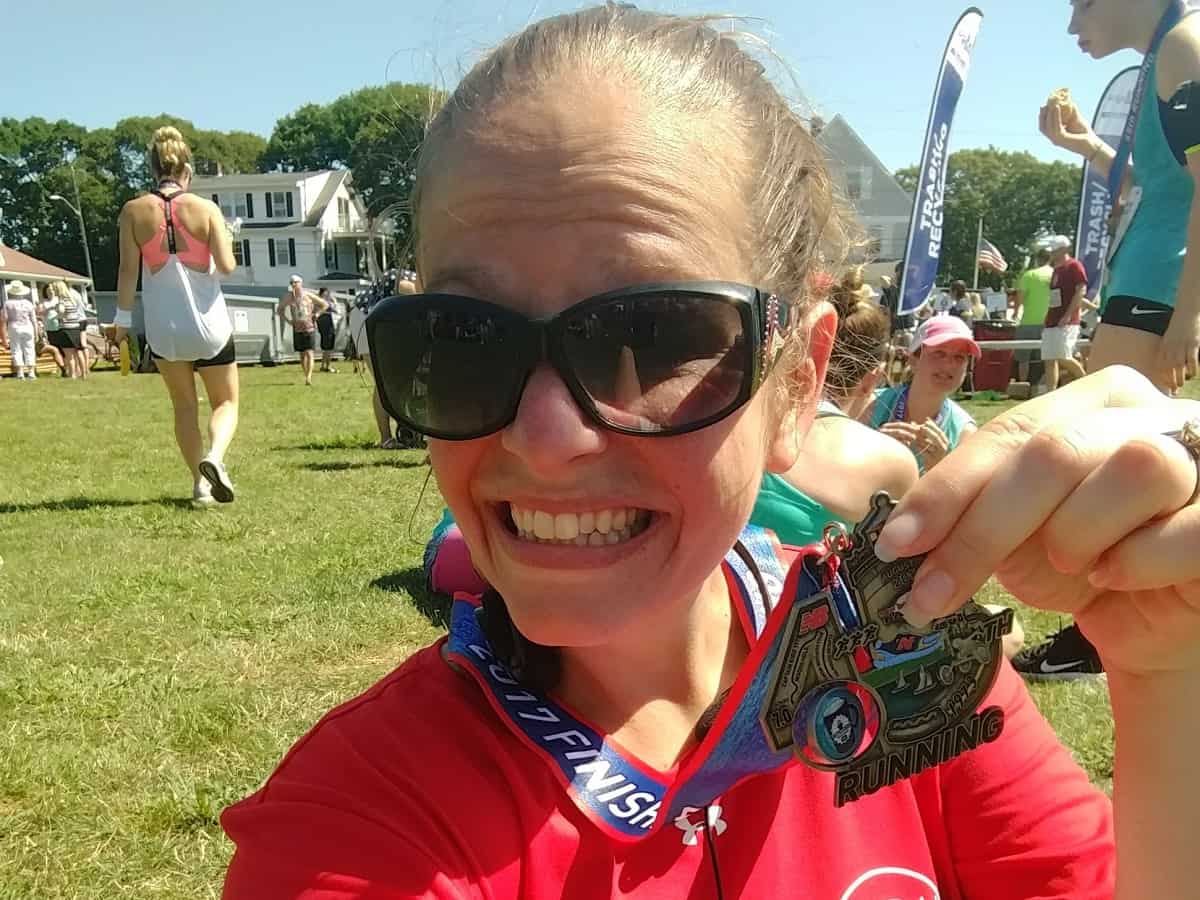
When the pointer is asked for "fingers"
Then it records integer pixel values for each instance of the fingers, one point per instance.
(1142, 480)
(941, 497)
(1025, 491)
(1160, 555)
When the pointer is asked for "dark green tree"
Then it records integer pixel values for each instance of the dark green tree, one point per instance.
(376, 131)
(1019, 198)
(109, 165)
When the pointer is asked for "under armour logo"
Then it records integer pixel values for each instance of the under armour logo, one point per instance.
(691, 830)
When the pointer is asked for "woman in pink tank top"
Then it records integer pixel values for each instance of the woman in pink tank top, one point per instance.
(180, 244)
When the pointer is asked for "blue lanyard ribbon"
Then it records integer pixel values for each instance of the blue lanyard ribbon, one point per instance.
(900, 410)
(1172, 17)
(626, 798)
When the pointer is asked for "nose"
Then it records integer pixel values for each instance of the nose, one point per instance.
(550, 431)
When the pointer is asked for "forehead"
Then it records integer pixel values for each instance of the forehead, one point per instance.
(600, 171)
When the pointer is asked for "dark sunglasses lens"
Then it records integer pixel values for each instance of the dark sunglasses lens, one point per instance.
(448, 369)
(659, 362)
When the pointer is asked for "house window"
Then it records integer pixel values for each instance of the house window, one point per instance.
(237, 253)
(239, 206)
(226, 204)
(329, 264)
(858, 183)
(876, 239)
(281, 202)
(343, 214)
(281, 252)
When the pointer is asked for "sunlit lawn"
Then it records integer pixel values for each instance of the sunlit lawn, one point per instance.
(156, 661)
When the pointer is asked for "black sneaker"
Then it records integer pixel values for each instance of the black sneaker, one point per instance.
(1064, 656)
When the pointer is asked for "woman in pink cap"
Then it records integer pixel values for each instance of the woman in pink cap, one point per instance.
(921, 414)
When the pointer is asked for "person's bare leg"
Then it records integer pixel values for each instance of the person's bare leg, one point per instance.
(382, 420)
(58, 357)
(221, 385)
(306, 363)
(1051, 375)
(1115, 345)
(181, 386)
(1073, 367)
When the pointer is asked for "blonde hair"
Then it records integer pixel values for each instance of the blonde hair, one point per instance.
(687, 67)
(170, 156)
(60, 290)
(862, 335)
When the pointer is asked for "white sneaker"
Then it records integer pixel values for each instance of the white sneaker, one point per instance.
(218, 479)
(202, 494)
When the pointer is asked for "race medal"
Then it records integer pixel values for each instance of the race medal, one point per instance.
(858, 691)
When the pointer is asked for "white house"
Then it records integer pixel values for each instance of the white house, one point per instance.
(310, 223)
(883, 207)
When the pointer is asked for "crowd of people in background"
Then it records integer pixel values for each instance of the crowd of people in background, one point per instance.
(52, 323)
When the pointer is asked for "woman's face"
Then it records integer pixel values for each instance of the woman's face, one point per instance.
(941, 369)
(1100, 25)
(562, 196)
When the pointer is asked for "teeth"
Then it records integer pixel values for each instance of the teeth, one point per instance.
(593, 528)
(543, 525)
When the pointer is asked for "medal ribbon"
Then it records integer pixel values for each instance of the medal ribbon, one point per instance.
(628, 799)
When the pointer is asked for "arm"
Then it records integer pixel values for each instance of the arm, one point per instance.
(1076, 301)
(131, 259)
(319, 304)
(220, 242)
(844, 463)
(1020, 304)
(282, 308)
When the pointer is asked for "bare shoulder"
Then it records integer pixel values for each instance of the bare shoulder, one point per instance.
(1179, 59)
(862, 446)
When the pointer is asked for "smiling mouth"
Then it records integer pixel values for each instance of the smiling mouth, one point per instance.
(588, 528)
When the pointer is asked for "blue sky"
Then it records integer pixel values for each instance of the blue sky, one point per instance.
(241, 65)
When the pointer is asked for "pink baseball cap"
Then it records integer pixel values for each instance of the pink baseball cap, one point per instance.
(939, 331)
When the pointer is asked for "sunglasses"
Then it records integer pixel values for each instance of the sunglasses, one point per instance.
(658, 359)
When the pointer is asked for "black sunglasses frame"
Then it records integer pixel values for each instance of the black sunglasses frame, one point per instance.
(763, 315)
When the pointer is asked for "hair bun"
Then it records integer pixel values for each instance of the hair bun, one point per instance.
(169, 152)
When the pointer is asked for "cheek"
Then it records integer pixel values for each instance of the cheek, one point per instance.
(454, 463)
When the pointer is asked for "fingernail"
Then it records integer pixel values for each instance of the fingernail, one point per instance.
(928, 599)
(897, 535)
(1101, 577)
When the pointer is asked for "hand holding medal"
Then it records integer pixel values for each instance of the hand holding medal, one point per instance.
(1082, 502)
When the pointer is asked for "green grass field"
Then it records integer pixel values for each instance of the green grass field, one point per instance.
(156, 661)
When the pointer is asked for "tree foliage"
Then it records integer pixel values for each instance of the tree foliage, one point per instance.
(1019, 197)
(109, 165)
(375, 131)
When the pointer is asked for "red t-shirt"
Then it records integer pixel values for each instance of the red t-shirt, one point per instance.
(417, 789)
(1066, 280)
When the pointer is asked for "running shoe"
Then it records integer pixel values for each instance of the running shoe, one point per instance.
(214, 472)
(1064, 656)
(202, 494)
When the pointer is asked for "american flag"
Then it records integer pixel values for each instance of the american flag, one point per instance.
(991, 258)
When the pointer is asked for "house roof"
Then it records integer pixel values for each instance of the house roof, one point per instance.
(17, 265)
(332, 183)
(253, 179)
(839, 125)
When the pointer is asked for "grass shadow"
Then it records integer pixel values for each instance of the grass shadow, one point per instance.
(335, 443)
(433, 606)
(85, 503)
(344, 465)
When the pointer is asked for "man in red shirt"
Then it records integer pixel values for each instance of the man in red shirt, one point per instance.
(1068, 295)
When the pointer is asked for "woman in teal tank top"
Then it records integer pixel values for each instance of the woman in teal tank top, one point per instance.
(1151, 298)
(843, 463)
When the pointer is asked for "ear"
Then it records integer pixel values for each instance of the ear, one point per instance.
(802, 393)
